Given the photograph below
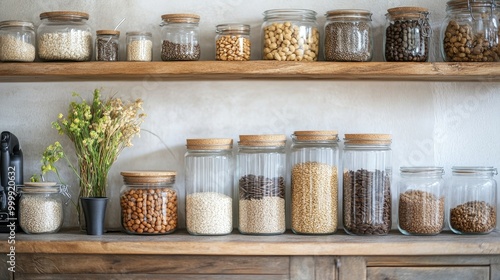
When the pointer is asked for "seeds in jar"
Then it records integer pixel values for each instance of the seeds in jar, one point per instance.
(289, 42)
(421, 212)
(175, 51)
(473, 217)
(139, 50)
(149, 210)
(13, 48)
(367, 202)
(209, 213)
(314, 198)
(461, 45)
(406, 40)
(348, 41)
(232, 48)
(107, 50)
(40, 214)
(73, 45)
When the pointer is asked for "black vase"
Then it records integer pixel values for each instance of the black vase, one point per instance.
(94, 210)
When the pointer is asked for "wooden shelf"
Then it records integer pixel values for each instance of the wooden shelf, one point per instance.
(288, 244)
(259, 69)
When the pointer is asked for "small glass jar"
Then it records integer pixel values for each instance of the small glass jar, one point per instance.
(290, 35)
(421, 200)
(209, 171)
(232, 42)
(261, 171)
(41, 207)
(107, 45)
(367, 184)
(139, 46)
(17, 41)
(64, 35)
(148, 201)
(407, 34)
(180, 33)
(473, 200)
(314, 160)
(348, 35)
(470, 32)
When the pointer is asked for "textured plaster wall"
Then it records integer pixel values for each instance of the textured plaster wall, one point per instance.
(433, 123)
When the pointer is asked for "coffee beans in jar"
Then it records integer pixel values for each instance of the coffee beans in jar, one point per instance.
(180, 40)
(407, 34)
(232, 42)
(107, 45)
(148, 202)
(290, 35)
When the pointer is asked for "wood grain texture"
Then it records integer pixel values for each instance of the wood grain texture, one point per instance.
(352, 268)
(258, 69)
(146, 276)
(428, 273)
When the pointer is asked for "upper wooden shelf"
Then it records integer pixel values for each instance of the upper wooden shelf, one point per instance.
(258, 69)
(181, 243)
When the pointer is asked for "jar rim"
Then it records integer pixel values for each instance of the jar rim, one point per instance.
(234, 27)
(466, 4)
(17, 23)
(421, 169)
(64, 15)
(348, 13)
(108, 32)
(139, 33)
(40, 187)
(473, 169)
(288, 13)
(181, 18)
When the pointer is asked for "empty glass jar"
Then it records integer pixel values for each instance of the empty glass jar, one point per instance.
(17, 41)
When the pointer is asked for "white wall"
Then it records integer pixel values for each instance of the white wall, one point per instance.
(433, 123)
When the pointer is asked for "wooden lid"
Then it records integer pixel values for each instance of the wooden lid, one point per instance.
(378, 139)
(348, 12)
(181, 18)
(40, 187)
(107, 32)
(64, 15)
(148, 177)
(263, 140)
(397, 10)
(210, 144)
(316, 135)
(16, 23)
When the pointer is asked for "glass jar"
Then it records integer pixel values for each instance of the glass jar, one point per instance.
(407, 34)
(139, 46)
(473, 200)
(41, 207)
(421, 200)
(314, 160)
(17, 41)
(232, 42)
(348, 35)
(261, 171)
(107, 45)
(64, 35)
(367, 184)
(470, 32)
(148, 201)
(180, 33)
(209, 181)
(290, 35)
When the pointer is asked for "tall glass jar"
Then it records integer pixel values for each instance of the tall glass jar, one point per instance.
(407, 34)
(209, 171)
(148, 201)
(470, 31)
(421, 200)
(107, 45)
(261, 171)
(139, 46)
(41, 207)
(64, 35)
(290, 35)
(232, 42)
(367, 161)
(180, 33)
(473, 200)
(348, 35)
(17, 41)
(314, 163)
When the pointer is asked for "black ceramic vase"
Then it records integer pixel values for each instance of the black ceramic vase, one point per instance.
(94, 210)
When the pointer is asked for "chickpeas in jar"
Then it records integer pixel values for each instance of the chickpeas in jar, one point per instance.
(232, 42)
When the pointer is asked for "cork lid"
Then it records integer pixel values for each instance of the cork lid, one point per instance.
(348, 13)
(180, 18)
(148, 177)
(316, 135)
(209, 144)
(407, 12)
(16, 23)
(263, 140)
(107, 32)
(64, 15)
(367, 139)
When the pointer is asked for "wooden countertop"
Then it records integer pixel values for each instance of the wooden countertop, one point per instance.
(181, 243)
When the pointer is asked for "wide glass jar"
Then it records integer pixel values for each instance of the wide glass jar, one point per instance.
(261, 171)
(367, 165)
(139, 46)
(64, 35)
(180, 37)
(348, 35)
(148, 201)
(41, 207)
(232, 42)
(209, 171)
(473, 200)
(17, 41)
(470, 31)
(290, 35)
(107, 45)
(314, 164)
(407, 34)
(421, 199)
